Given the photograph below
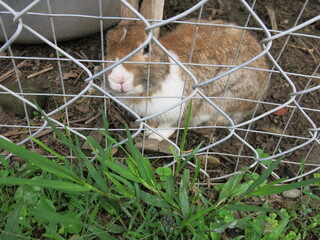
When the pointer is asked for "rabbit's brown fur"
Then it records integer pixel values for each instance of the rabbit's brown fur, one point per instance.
(215, 45)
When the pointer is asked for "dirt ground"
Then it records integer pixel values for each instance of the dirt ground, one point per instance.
(300, 56)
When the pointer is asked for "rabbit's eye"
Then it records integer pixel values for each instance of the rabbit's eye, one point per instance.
(146, 49)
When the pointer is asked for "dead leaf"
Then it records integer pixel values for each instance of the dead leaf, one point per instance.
(114, 151)
(82, 107)
(71, 74)
(208, 160)
(281, 111)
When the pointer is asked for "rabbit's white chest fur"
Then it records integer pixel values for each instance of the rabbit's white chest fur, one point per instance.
(169, 94)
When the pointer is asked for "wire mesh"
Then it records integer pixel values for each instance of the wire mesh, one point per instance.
(233, 146)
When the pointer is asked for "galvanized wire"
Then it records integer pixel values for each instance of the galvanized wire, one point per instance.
(310, 140)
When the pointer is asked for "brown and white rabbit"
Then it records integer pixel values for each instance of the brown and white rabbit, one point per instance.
(215, 45)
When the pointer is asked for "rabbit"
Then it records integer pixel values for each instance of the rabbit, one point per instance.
(167, 84)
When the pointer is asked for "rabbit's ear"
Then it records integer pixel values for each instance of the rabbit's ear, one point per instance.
(153, 9)
(126, 12)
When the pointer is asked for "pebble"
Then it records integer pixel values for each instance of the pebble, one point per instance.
(292, 194)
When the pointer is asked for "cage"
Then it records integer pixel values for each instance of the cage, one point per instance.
(67, 79)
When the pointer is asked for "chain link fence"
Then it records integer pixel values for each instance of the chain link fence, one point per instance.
(287, 124)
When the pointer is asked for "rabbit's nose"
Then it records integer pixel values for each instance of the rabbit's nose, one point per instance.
(120, 75)
(121, 80)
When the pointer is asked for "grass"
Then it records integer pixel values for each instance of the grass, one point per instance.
(107, 199)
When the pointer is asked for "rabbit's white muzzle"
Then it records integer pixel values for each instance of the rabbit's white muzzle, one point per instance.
(122, 81)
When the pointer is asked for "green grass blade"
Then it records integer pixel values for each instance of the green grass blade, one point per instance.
(147, 171)
(53, 127)
(12, 223)
(92, 172)
(121, 170)
(93, 214)
(278, 230)
(175, 155)
(183, 193)
(278, 181)
(170, 190)
(249, 208)
(101, 234)
(197, 215)
(310, 194)
(302, 166)
(112, 141)
(279, 189)
(129, 185)
(55, 184)
(144, 166)
(106, 130)
(263, 176)
(119, 187)
(169, 200)
(4, 162)
(188, 158)
(186, 128)
(154, 200)
(40, 161)
(259, 223)
(229, 187)
(196, 174)
(95, 146)
(132, 166)
(53, 217)
(45, 147)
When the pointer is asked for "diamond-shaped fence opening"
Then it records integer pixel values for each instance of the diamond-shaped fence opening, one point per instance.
(68, 79)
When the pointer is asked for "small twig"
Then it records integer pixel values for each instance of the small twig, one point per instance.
(312, 45)
(40, 72)
(305, 49)
(14, 133)
(309, 50)
(84, 57)
(227, 159)
(93, 118)
(81, 120)
(44, 132)
(187, 151)
(266, 110)
(77, 79)
(10, 72)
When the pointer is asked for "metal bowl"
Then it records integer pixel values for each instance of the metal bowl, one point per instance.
(62, 19)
